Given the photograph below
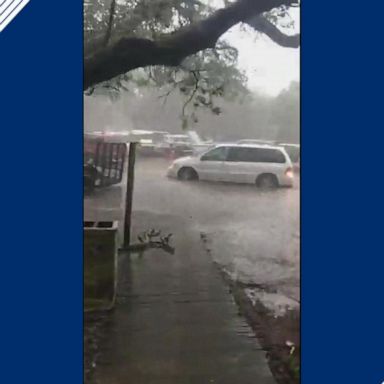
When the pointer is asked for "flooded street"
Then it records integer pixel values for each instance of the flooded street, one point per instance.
(202, 284)
(174, 305)
(254, 235)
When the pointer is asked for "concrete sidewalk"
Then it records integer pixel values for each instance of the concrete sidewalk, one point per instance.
(175, 321)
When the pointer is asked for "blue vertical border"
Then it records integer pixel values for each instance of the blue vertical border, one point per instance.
(41, 119)
(342, 194)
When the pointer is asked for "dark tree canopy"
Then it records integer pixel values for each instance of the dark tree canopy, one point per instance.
(123, 35)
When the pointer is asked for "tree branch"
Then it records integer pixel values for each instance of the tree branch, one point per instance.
(112, 11)
(261, 24)
(124, 28)
(170, 50)
(197, 79)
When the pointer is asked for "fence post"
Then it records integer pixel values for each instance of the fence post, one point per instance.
(129, 194)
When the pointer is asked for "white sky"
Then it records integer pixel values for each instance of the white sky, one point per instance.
(270, 68)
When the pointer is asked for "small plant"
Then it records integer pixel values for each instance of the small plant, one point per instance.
(292, 360)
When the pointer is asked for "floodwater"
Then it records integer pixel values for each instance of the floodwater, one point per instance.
(253, 235)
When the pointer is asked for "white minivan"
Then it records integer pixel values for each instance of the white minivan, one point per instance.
(264, 165)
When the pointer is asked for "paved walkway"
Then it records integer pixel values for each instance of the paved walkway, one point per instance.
(175, 321)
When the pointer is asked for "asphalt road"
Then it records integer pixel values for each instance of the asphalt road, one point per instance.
(253, 235)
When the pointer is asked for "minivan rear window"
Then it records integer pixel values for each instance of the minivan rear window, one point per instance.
(256, 155)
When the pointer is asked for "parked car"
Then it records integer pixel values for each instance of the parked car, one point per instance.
(148, 141)
(175, 146)
(265, 166)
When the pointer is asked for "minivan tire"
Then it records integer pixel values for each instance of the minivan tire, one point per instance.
(187, 174)
(267, 181)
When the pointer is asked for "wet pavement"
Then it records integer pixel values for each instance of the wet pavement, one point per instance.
(251, 234)
(175, 321)
(254, 235)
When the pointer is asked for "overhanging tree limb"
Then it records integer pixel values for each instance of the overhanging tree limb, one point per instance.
(261, 24)
(97, 42)
(170, 50)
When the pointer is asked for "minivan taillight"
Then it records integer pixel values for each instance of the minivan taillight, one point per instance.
(289, 173)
